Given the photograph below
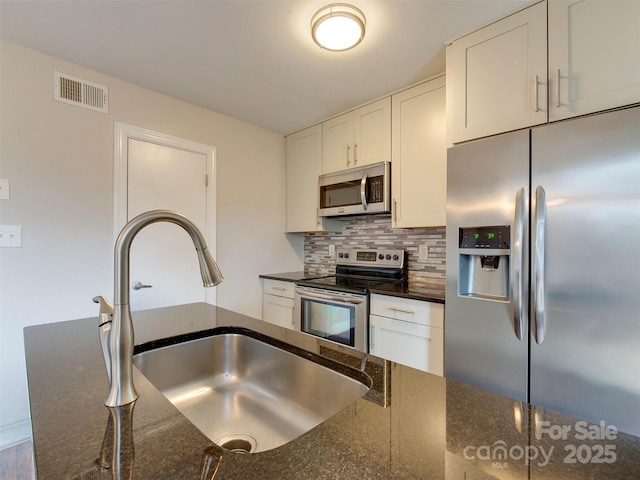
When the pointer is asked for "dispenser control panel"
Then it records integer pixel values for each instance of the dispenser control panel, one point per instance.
(497, 237)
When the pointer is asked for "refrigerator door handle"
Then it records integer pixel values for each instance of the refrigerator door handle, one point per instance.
(539, 225)
(517, 286)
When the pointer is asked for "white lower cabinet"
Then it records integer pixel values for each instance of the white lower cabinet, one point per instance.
(277, 302)
(407, 331)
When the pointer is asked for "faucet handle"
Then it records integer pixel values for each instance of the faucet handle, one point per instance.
(104, 327)
(105, 307)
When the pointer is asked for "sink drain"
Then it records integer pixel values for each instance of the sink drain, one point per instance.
(238, 442)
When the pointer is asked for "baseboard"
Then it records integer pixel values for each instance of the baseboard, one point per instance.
(15, 433)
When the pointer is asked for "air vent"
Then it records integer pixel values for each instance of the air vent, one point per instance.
(75, 91)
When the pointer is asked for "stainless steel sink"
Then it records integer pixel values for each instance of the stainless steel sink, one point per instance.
(248, 392)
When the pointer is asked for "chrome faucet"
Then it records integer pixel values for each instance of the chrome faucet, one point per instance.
(116, 326)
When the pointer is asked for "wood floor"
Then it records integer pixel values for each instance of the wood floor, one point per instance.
(16, 463)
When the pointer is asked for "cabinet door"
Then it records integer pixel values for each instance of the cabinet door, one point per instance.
(419, 156)
(304, 164)
(372, 133)
(277, 310)
(410, 344)
(497, 76)
(337, 143)
(593, 56)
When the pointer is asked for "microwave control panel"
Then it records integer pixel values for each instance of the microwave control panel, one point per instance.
(376, 189)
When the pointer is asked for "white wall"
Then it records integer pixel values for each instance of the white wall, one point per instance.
(59, 160)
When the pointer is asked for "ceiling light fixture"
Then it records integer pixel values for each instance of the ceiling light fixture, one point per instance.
(338, 27)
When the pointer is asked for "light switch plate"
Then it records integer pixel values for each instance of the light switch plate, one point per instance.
(5, 193)
(10, 236)
(423, 252)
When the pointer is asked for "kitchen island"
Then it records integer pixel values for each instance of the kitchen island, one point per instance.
(412, 425)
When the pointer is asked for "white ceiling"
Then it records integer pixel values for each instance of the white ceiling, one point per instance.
(250, 59)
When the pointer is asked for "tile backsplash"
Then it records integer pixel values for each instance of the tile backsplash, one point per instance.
(375, 232)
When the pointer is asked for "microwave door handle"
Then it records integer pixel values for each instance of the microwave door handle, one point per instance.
(363, 191)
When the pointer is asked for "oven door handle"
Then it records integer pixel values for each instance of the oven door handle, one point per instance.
(356, 300)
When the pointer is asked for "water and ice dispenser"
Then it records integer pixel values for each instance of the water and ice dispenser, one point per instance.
(484, 254)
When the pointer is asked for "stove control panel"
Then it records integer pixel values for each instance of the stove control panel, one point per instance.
(370, 257)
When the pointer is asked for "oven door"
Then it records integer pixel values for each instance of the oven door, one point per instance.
(336, 316)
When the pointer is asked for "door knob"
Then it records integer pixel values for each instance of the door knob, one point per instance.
(139, 285)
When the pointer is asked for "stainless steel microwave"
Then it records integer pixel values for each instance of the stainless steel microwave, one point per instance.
(356, 191)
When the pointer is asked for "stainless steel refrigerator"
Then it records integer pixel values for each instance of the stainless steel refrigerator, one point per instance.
(543, 266)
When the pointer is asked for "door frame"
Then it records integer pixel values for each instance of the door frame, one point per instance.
(121, 135)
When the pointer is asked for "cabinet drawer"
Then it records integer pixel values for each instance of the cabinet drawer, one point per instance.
(408, 310)
(410, 344)
(279, 288)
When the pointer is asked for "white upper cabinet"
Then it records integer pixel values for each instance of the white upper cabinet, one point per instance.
(372, 133)
(356, 138)
(497, 75)
(337, 143)
(594, 56)
(304, 164)
(419, 155)
(503, 77)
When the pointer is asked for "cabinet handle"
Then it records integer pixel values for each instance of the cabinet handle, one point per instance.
(372, 340)
(558, 87)
(395, 211)
(348, 150)
(279, 289)
(396, 309)
(535, 94)
(355, 153)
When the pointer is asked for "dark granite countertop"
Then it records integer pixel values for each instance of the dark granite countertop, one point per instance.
(291, 276)
(430, 292)
(414, 426)
(414, 290)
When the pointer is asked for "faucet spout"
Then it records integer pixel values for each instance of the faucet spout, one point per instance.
(121, 341)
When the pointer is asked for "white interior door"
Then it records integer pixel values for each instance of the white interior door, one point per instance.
(160, 174)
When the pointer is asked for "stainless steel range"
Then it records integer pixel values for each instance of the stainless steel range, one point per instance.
(336, 308)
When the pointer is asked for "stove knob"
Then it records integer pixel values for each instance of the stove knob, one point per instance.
(340, 255)
(380, 257)
(346, 255)
(388, 257)
(396, 258)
